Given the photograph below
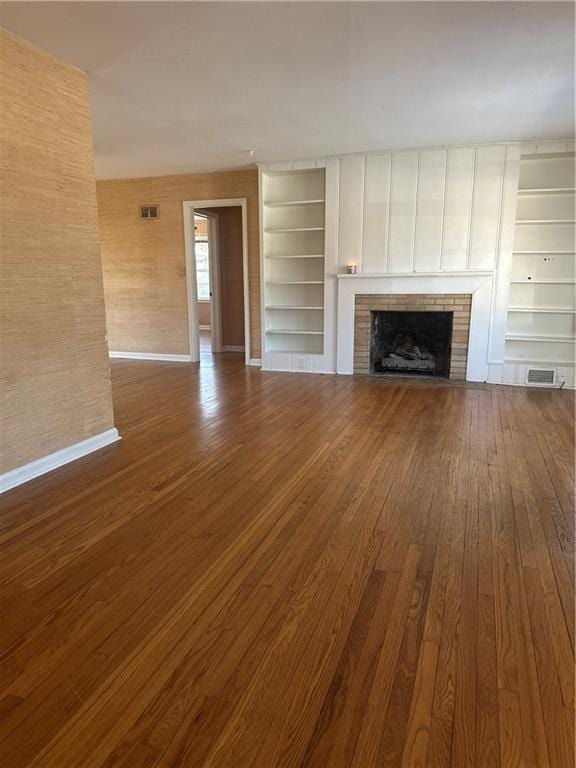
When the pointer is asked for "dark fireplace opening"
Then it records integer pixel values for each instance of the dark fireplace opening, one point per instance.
(413, 343)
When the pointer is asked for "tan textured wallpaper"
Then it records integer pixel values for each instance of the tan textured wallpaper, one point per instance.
(144, 261)
(54, 359)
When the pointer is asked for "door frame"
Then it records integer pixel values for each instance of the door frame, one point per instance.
(188, 207)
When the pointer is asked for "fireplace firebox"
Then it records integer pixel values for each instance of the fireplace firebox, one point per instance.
(410, 343)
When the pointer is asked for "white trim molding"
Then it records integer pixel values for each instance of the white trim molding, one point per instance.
(38, 467)
(256, 361)
(479, 284)
(151, 356)
(188, 208)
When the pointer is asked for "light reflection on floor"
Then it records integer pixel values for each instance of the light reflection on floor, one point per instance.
(210, 400)
(205, 348)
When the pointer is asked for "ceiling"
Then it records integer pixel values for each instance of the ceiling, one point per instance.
(181, 87)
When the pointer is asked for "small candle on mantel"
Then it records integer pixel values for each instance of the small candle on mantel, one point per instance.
(350, 269)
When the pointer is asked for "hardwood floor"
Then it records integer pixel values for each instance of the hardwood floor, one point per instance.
(291, 570)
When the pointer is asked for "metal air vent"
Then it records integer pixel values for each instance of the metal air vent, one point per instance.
(542, 377)
(149, 212)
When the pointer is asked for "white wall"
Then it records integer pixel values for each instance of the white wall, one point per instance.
(432, 211)
(428, 211)
(423, 211)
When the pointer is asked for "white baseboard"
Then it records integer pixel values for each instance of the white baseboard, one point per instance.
(257, 361)
(514, 374)
(203, 327)
(57, 459)
(151, 356)
(277, 369)
(495, 372)
(232, 348)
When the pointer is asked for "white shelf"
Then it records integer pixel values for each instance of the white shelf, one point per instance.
(547, 281)
(295, 282)
(545, 310)
(292, 352)
(545, 221)
(274, 230)
(292, 306)
(543, 253)
(546, 191)
(298, 256)
(548, 156)
(288, 203)
(290, 332)
(534, 361)
(540, 337)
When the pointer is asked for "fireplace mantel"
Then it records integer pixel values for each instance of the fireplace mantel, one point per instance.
(478, 284)
(389, 276)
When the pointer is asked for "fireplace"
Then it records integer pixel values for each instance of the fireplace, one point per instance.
(416, 334)
(410, 343)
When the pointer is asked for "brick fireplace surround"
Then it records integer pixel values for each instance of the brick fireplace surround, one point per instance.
(458, 303)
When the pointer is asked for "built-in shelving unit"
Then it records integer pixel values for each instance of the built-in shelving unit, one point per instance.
(541, 329)
(293, 252)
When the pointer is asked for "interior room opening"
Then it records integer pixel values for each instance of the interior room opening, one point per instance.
(202, 244)
(218, 289)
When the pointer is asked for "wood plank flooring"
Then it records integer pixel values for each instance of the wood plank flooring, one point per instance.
(281, 570)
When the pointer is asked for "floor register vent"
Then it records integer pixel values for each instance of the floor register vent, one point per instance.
(543, 377)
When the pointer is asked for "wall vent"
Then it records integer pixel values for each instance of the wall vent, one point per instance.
(149, 212)
(542, 377)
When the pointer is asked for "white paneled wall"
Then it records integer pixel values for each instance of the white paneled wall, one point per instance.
(422, 211)
(350, 209)
(402, 216)
(489, 168)
(427, 211)
(376, 212)
(429, 228)
(460, 169)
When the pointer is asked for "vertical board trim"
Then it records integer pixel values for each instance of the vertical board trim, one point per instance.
(416, 184)
(363, 217)
(497, 254)
(471, 218)
(387, 259)
(441, 249)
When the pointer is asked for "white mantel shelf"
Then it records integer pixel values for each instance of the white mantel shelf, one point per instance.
(392, 275)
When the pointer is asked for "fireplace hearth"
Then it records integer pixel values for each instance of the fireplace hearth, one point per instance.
(410, 343)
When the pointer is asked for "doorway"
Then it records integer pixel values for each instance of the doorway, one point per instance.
(217, 277)
(207, 282)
